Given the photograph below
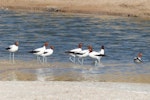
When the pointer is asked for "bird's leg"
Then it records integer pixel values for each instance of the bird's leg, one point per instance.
(45, 59)
(13, 57)
(10, 56)
(98, 61)
(82, 61)
(79, 61)
(74, 60)
(37, 58)
(70, 58)
(95, 63)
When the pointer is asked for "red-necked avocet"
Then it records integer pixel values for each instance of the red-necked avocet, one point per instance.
(138, 59)
(39, 51)
(81, 55)
(46, 53)
(12, 49)
(96, 55)
(73, 52)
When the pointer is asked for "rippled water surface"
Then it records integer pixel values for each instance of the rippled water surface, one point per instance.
(123, 38)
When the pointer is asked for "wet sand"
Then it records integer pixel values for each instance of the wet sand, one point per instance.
(17, 71)
(128, 8)
(73, 91)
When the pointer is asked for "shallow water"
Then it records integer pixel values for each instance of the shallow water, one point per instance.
(122, 37)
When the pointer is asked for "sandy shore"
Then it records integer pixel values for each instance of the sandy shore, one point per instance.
(66, 90)
(129, 8)
(73, 91)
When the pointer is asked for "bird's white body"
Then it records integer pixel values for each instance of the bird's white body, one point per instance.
(13, 48)
(96, 55)
(81, 55)
(137, 60)
(74, 51)
(39, 51)
(47, 52)
(102, 52)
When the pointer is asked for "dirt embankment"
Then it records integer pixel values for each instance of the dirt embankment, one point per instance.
(129, 8)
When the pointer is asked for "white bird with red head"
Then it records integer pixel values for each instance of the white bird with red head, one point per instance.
(138, 59)
(39, 51)
(73, 52)
(47, 53)
(96, 55)
(12, 49)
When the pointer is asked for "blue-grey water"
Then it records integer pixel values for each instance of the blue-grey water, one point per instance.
(122, 37)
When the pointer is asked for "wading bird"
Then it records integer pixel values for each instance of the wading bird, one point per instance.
(81, 55)
(73, 53)
(12, 49)
(138, 59)
(39, 51)
(96, 55)
(46, 53)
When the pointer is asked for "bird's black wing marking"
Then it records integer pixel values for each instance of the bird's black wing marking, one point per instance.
(33, 51)
(45, 52)
(137, 59)
(69, 52)
(8, 48)
(79, 53)
(100, 55)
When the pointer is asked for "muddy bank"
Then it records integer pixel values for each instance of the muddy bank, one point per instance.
(128, 8)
